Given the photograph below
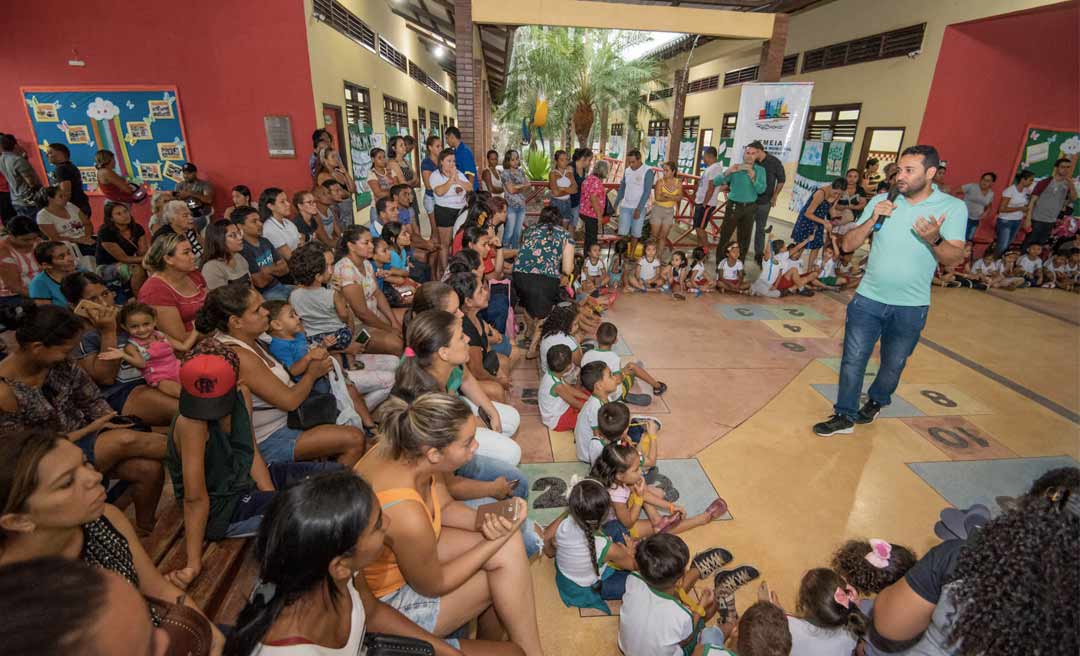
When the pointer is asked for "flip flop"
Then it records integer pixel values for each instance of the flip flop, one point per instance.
(717, 509)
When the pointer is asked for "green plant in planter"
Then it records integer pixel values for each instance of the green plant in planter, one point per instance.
(537, 164)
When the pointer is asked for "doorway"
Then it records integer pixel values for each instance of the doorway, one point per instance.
(333, 124)
(882, 144)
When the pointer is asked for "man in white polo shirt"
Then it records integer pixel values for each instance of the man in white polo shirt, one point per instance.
(706, 199)
(634, 190)
(912, 234)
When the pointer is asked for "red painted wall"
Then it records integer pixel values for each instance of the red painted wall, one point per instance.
(993, 78)
(232, 62)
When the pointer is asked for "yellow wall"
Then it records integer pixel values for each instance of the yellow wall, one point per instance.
(893, 92)
(336, 59)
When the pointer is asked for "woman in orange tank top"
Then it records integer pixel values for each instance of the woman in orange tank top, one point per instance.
(436, 568)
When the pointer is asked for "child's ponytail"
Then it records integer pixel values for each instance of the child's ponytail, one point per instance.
(827, 601)
(615, 459)
(872, 565)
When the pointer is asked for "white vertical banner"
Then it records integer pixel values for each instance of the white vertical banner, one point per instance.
(775, 114)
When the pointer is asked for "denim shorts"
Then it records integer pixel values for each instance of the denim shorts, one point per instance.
(423, 611)
(280, 446)
(87, 443)
(628, 225)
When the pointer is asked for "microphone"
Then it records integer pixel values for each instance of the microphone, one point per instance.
(894, 191)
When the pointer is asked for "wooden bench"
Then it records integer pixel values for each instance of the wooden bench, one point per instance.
(229, 569)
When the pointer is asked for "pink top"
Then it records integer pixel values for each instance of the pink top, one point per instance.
(25, 263)
(156, 291)
(591, 187)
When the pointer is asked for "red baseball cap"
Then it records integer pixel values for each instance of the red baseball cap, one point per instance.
(207, 387)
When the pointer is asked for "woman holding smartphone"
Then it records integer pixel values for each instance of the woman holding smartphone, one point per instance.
(443, 565)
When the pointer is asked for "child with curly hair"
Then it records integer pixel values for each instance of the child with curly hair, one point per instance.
(872, 565)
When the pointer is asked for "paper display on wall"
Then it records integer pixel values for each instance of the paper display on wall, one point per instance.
(834, 165)
(774, 114)
(687, 155)
(378, 140)
(811, 153)
(1038, 153)
(360, 159)
(142, 126)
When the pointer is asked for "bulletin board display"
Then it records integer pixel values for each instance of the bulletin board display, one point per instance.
(1042, 147)
(142, 126)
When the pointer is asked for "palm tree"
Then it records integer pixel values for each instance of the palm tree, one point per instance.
(580, 72)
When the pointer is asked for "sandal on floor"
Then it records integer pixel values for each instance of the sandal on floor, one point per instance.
(660, 388)
(717, 509)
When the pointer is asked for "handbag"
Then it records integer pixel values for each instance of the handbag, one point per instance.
(491, 363)
(189, 632)
(381, 644)
(609, 209)
(316, 410)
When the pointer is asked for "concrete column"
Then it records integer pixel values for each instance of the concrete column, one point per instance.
(772, 51)
(677, 112)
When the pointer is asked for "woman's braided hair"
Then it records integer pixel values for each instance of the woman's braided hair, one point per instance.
(589, 502)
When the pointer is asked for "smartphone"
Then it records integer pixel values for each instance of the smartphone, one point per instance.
(84, 307)
(363, 336)
(506, 508)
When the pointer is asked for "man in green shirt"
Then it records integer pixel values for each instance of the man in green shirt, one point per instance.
(915, 231)
(745, 182)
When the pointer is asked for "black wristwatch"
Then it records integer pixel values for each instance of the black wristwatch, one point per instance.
(937, 242)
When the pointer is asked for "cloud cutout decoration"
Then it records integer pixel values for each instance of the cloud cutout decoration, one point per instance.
(1071, 146)
(102, 110)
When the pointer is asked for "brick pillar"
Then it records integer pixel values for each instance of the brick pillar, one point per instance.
(468, 73)
(677, 112)
(772, 51)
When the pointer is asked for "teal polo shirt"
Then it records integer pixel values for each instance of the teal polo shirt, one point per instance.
(742, 190)
(902, 264)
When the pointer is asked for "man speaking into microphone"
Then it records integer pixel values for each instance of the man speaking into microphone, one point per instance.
(915, 226)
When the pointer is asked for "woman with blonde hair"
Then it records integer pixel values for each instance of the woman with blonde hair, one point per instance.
(176, 289)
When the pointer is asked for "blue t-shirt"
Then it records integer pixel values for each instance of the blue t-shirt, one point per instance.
(466, 163)
(399, 259)
(289, 351)
(44, 288)
(428, 165)
(902, 264)
(405, 215)
(260, 256)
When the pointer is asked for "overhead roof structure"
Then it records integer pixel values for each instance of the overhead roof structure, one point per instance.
(433, 20)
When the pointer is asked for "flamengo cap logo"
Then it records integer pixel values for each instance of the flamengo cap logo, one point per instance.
(205, 385)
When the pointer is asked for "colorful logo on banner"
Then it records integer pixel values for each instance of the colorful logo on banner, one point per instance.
(774, 114)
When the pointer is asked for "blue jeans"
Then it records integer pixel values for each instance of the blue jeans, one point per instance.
(278, 293)
(1006, 232)
(483, 468)
(515, 218)
(248, 513)
(972, 226)
(563, 205)
(898, 327)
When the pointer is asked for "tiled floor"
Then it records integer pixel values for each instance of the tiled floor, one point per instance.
(743, 394)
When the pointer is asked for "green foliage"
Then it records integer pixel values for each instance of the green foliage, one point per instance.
(579, 71)
(537, 166)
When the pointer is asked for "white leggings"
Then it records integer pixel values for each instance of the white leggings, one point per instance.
(376, 379)
(500, 446)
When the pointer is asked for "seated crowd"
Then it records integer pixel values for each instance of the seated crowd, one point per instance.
(343, 398)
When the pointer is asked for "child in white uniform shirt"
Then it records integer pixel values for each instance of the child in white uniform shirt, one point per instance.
(1032, 265)
(653, 620)
(772, 267)
(730, 275)
(606, 336)
(596, 378)
(1059, 273)
(559, 401)
(582, 552)
(648, 276)
(829, 621)
(595, 269)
